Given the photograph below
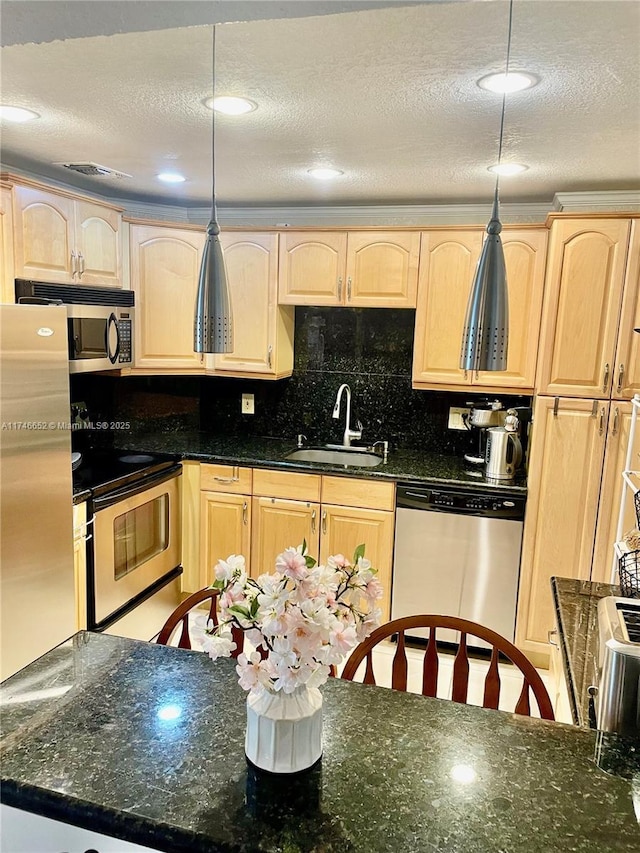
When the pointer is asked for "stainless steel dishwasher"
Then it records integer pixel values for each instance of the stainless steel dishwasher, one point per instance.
(457, 553)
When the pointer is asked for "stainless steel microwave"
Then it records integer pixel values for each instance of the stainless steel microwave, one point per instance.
(99, 338)
(100, 322)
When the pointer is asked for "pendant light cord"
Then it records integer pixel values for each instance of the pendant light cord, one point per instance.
(213, 125)
(504, 94)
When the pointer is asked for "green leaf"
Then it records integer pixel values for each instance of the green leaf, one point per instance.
(238, 610)
(359, 552)
(219, 584)
(254, 607)
(304, 547)
(310, 562)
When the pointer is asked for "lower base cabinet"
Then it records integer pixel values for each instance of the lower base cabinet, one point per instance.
(259, 513)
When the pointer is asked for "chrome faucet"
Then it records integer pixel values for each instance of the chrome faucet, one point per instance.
(348, 432)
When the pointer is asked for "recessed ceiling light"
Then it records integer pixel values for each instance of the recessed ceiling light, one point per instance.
(508, 168)
(231, 106)
(514, 81)
(171, 177)
(324, 173)
(17, 114)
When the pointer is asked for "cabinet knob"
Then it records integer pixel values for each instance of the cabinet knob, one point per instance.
(324, 521)
(349, 289)
(339, 288)
(616, 418)
(605, 378)
(601, 421)
(620, 377)
(244, 513)
(313, 521)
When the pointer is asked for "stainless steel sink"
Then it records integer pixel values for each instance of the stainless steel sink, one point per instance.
(356, 457)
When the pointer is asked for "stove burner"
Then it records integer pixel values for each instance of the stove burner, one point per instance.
(136, 458)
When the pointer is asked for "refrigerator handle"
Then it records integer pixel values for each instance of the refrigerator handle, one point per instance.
(113, 357)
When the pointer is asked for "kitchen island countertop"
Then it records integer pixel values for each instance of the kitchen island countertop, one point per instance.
(400, 772)
(403, 465)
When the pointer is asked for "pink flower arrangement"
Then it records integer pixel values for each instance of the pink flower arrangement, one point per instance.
(302, 619)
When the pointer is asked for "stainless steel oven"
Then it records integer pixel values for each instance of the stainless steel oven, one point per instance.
(135, 559)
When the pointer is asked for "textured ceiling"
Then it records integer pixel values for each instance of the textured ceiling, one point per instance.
(389, 96)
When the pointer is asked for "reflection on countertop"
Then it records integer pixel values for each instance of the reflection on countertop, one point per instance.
(402, 465)
(147, 744)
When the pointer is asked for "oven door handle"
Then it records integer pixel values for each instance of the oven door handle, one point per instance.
(113, 320)
(111, 498)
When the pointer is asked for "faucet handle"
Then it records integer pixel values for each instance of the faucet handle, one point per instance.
(301, 439)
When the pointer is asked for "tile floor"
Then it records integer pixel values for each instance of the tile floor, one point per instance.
(510, 677)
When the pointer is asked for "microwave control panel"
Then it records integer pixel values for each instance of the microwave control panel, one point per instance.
(124, 327)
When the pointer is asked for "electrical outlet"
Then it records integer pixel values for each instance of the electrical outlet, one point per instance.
(248, 406)
(455, 418)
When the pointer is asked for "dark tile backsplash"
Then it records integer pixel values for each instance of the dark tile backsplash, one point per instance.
(369, 348)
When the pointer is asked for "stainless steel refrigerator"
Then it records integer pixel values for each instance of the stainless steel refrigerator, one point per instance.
(37, 588)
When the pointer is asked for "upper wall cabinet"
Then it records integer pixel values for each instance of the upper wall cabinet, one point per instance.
(61, 239)
(626, 378)
(262, 330)
(165, 263)
(364, 269)
(6, 246)
(448, 262)
(583, 297)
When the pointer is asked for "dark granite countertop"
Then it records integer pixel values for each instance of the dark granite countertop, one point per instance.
(90, 747)
(402, 465)
(576, 605)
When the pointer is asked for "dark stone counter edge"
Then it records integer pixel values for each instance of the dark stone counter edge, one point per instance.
(350, 471)
(116, 824)
(564, 651)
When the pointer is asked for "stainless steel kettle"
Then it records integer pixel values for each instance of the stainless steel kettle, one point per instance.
(504, 450)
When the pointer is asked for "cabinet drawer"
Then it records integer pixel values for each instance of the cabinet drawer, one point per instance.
(284, 484)
(359, 493)
(225, 478)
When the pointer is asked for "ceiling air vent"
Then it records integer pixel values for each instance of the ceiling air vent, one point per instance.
(94, 170)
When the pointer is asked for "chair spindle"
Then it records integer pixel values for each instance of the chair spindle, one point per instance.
(399, 668)
(430, 666)
(492, 683)
(185, 639)
(461, 672)
(369, 677)
(523, 705)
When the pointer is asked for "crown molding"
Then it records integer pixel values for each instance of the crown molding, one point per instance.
(608, 200)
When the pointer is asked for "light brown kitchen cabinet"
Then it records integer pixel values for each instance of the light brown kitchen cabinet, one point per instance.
(448, 261)
(620, 417)
(262, 329)
(364, 269)
(565, 467)
(280, 524)
(165, 264)
(7, 275)
(626, 378)
(80, 536)
(61, 239)
(583, 296)
(225, 528)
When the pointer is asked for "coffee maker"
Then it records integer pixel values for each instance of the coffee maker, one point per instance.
(482, 416)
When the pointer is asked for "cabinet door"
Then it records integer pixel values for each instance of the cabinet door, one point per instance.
(583, 292)
(447, 264)
(626, 379)
(382, 269)
(7, 293)
(278, 524)
(43, 236)
(567, 452)
(165, 264)
(312, 268)
(344, 528)
(225, 528)
(620, 419)
(251, 262)
(97, 242)
(524, 255)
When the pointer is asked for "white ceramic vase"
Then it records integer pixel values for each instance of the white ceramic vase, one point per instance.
(284, 730)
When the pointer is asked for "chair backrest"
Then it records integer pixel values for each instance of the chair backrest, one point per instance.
(430, 664)
(181, 615)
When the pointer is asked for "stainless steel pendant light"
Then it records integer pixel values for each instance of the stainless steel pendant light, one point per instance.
(486, 330)
(213, 327)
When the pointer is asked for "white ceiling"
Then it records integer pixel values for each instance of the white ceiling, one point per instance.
(387, 95)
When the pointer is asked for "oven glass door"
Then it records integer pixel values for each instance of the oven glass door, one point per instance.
(137, 542)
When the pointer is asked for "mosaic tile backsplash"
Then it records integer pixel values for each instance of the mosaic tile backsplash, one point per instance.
(369, 348)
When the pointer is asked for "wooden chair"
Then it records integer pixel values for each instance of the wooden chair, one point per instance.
(430, 664)
(181, 615)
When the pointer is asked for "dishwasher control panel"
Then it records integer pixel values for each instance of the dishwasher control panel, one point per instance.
(461, 500)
